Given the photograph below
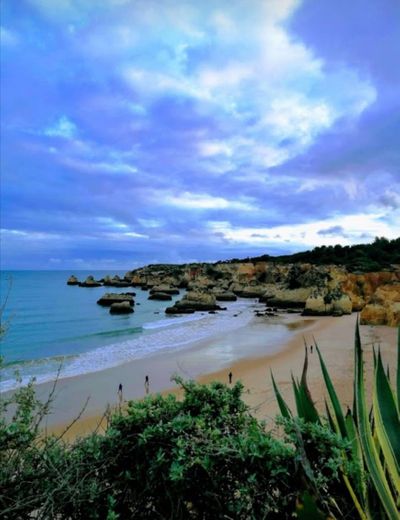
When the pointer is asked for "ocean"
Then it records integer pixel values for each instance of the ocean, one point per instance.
(50, 324)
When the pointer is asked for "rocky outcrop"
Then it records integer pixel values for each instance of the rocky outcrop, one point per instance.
(115, 281)
(226, 296)
(109, 298)
(90, 282)
(384, 307)
(301, 286)
(166, 289)
(121, 308)
(162, 296)
(195, 301)
(327, 304)
(72, 280)
(249, 291)
(362, 287)
(287, 298)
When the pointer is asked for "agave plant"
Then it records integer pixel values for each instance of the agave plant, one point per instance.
(373, 435)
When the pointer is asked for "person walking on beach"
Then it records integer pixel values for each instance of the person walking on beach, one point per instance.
(230, 377)
(147, 384)
(311, 347)
(120, 395)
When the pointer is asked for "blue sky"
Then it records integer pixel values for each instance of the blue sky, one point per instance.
(142, 131)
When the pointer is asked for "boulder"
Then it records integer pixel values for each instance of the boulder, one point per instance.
(250, 291)
(177, 310)
(195, 301)
(373, 314)
(109, 298)
(72, 280)
(90, 282)
(342, 305)
(166, 289)
(289, 298)
(162, 296)
(384, 307)
(226, 296)
(121, 308)
(107, 281)
(317, 306)
(335, 304)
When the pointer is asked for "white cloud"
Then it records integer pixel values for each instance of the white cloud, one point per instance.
(150, 222)
(64, 127)
(112, 167)
(298, 118)
(212, 148)
(305, 235)
(260, 83)
(202, 201)
(110, 222)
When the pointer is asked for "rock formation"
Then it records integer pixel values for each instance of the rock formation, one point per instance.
(121, 308)
(72, 280)
(194, 301)
(166, 289)
(162, 296)
(226, 296)
(313, 289)
(90, 282)
(109, 298)
(384, 307)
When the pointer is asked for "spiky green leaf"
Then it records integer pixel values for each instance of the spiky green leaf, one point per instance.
(387, 422)
(371, 455)
(333, 397)
(285, 410)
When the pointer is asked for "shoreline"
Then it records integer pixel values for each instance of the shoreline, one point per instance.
(335, 337)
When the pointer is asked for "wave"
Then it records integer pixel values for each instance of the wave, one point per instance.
(168, 322)
(108, 333)
(164, 335)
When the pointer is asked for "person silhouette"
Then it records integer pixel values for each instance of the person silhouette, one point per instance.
(120, 395)
(147, 384)
(230, 377)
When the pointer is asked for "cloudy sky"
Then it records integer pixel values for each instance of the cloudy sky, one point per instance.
(138, 131)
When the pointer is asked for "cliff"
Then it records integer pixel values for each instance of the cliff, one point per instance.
(315, 289)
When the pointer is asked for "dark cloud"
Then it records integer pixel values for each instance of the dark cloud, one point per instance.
(332, 231)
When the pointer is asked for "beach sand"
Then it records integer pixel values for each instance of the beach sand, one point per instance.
(335, 337)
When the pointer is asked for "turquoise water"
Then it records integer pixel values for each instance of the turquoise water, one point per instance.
(49, 318)
(50, 323)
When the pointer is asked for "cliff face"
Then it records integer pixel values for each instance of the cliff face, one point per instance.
(318, 290)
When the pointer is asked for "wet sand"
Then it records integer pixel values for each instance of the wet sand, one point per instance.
(213, 359)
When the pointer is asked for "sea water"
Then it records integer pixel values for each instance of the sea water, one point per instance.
(51, 325)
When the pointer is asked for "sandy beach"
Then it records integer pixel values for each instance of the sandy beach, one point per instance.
(335, 337)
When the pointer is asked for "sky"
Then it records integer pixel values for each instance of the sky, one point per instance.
(146, 131)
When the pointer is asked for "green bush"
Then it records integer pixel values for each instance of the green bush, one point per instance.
(206, 457)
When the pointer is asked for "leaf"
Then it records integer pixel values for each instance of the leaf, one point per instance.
(387, 422)
(333, 396)
(367, 442)
(306, 508)
(398, 370)
(357, 455)
(304, 404)
(285, 410)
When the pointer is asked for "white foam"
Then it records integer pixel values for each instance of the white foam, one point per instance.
(168, 322)
(174, 334)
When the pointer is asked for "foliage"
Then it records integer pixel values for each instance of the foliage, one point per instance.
(203, 457)
(378, 255)
(370, 462)
(206, 457)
